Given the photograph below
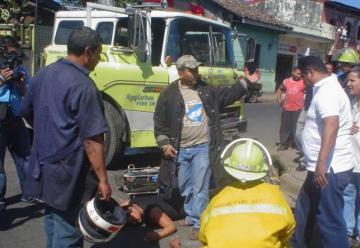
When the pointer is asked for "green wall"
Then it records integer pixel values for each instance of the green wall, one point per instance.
(268, 41)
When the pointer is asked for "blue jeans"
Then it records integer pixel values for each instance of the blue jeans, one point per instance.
(15, 137)
(319, 213)
(194, 177)
(351, 207)
(60, 228)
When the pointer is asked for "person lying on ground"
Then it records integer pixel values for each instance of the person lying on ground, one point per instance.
(153, 211)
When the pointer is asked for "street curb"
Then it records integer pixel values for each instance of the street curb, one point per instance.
(291, 180)
(290, 186)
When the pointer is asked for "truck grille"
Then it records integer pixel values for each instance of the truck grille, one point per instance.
(231, 121)
(230, 117)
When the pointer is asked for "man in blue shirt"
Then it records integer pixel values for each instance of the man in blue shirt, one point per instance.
(67, 159)
(13, 133)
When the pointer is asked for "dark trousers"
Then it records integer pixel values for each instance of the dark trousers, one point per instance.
(319, 213)
(288, 127)
(15, 137)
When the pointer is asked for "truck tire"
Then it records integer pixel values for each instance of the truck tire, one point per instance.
(114, 138)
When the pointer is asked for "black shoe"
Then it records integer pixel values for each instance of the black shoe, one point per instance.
(282, 147)
(293, 146)
(301, 167)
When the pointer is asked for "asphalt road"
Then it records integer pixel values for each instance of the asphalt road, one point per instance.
(21, 224)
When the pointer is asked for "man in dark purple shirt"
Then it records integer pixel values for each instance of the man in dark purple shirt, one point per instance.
(67, 161)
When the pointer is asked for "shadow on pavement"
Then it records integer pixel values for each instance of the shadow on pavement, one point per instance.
(129, 236)
(13, 199)
(13, 217)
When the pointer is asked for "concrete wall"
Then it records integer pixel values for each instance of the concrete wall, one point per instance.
(268, 41)
(295, 12)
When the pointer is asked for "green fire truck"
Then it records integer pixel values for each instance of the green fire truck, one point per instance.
(140, 47)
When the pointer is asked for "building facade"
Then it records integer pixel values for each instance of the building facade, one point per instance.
(346, 20)
(256, 24)
(310, 35)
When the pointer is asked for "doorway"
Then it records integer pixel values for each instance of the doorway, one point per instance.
(284, 64)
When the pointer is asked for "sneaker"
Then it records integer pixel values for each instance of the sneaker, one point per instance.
(27, 199)
(194, 234)
(38, 201)
(301, 167)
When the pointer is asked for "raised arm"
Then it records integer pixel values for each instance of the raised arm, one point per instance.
(228, 95)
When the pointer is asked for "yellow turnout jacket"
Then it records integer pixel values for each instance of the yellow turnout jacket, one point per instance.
(253, 215)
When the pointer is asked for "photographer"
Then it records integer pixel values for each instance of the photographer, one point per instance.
(13, 134)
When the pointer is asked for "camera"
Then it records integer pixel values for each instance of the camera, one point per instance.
(11, 59)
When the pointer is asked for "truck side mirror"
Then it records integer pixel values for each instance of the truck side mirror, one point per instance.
(139, 23)
(250, 50)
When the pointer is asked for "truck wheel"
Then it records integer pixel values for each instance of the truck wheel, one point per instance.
(114, 144)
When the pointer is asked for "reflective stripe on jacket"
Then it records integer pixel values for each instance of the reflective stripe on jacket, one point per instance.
(255, 215)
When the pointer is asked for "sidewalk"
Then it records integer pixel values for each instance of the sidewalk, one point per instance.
(268, 96)
(291, 180)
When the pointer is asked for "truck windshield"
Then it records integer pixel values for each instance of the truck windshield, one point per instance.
(208, 43)
(64, 29)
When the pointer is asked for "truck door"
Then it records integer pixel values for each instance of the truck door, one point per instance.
(223, 60)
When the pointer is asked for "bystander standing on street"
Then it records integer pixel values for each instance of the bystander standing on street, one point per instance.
(293, 88)
(187, 128)
(328, 151)
(331, 68)
(67, 160)
(13, 133)
(352, 191)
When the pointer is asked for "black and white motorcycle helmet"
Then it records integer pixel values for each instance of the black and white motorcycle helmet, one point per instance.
(99, 221)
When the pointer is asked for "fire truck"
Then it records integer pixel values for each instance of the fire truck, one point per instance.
(140, 47)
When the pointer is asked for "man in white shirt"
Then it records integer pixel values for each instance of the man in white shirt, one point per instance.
(351, 192)
(328, 151)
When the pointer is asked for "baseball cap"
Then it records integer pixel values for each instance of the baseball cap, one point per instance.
(187, 61)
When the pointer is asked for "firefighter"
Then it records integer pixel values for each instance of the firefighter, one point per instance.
(346, 60)
(248, 212)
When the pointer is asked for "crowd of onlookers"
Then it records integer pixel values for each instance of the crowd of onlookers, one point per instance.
(320, 114)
